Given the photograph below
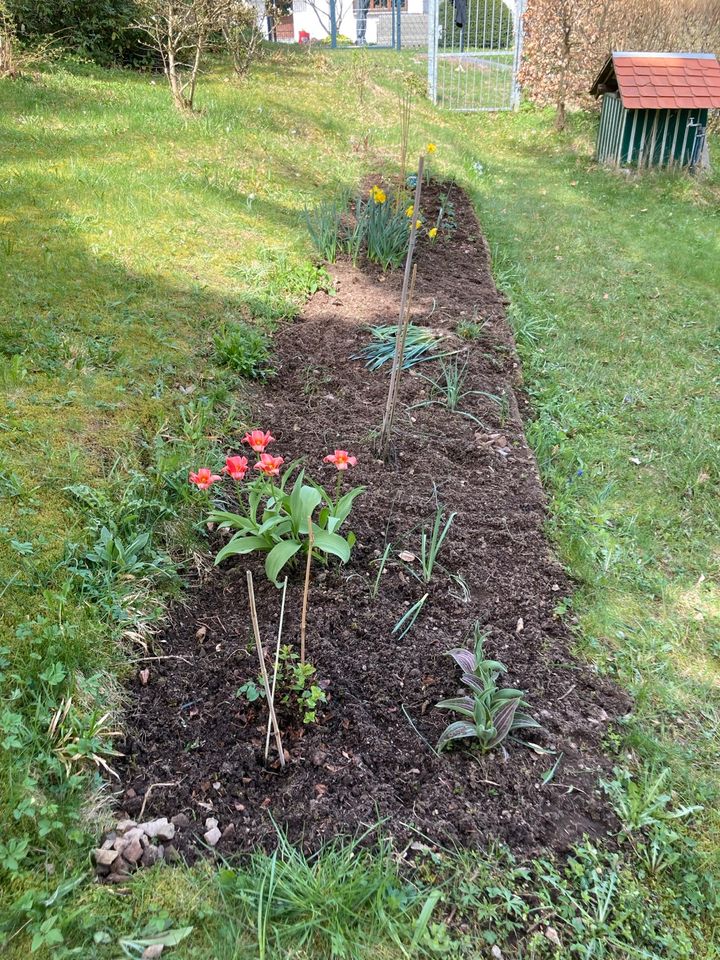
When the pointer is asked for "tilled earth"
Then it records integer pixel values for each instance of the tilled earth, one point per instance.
(369, 756)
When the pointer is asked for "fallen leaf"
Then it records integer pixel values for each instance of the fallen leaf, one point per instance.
(144, 676)
(407, 556)
(551, 934)
(201, 633)
(520, 625)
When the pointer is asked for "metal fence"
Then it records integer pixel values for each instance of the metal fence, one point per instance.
(473, 47)
(474, 50)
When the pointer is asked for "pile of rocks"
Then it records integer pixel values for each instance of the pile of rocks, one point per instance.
(131, 845)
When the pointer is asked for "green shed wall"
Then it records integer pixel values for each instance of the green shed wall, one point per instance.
(647, 138)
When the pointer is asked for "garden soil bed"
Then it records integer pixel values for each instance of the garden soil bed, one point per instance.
(369, 757)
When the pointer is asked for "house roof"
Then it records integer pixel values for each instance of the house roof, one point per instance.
(661, 80)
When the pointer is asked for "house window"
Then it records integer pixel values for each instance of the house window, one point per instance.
(378, 6)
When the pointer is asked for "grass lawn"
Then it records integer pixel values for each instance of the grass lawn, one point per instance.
(129, 236)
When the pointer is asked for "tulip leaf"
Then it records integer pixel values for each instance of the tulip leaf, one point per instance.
(341, 512)
(233, 521)
(280, 554)
(272, 523)
(241, 544)
(303, 501)
(331, 543)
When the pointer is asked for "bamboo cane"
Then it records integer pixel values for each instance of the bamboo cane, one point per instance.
(263, 669)
(306, 591)
(277, 664)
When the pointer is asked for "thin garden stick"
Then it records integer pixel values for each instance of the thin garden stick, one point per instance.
(405, 104)
(306, 591)
(277, 664)
(402, 335)
(149, 790)
(263, 669)
(386, 433)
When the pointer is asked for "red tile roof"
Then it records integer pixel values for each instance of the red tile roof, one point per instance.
(667, 80)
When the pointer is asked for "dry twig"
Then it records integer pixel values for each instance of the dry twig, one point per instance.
(173, 783)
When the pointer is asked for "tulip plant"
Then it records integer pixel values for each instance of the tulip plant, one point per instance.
(489, 713)
(277, 515)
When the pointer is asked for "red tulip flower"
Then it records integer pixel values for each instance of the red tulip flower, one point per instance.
(235, 467)
(269, 465)
(341, 459)
(204, 478)
(258, 440)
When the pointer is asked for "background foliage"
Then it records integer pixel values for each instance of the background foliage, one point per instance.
(100, 29)
(494, 25)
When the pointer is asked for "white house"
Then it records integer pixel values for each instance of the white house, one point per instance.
(375, 22)
(359, 21)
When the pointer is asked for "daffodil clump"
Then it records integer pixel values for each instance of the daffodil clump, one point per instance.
(380, 228)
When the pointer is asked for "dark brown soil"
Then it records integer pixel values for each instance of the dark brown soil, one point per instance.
(369, 757)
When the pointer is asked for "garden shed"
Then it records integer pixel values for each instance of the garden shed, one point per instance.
(655, 108)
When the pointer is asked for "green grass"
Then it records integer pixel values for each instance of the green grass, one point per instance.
(134, 245)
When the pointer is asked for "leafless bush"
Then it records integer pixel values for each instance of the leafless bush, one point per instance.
(179, 31)
(8, 38)
(242, 37)
(17, 58)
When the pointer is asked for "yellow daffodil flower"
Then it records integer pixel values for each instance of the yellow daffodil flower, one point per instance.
(410, 211)
(432, 233)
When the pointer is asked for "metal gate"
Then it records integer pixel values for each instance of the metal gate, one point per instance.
(474, 50)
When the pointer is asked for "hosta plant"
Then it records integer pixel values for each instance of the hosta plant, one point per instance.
(279, 516)
(489, 714)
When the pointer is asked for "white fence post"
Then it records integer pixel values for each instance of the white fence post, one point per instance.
(433, 16)
(519, 32)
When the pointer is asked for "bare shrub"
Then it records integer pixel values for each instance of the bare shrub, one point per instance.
(8, 38)
(242, 36)
(179, 31)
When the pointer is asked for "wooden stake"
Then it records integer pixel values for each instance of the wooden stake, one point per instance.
(394, 388)
(405, 104)
(403, 320)
(306, 591)
(263, 669)
(277, 664)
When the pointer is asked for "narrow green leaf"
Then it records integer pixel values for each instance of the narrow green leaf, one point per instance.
(463, 705)
(456, 731)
